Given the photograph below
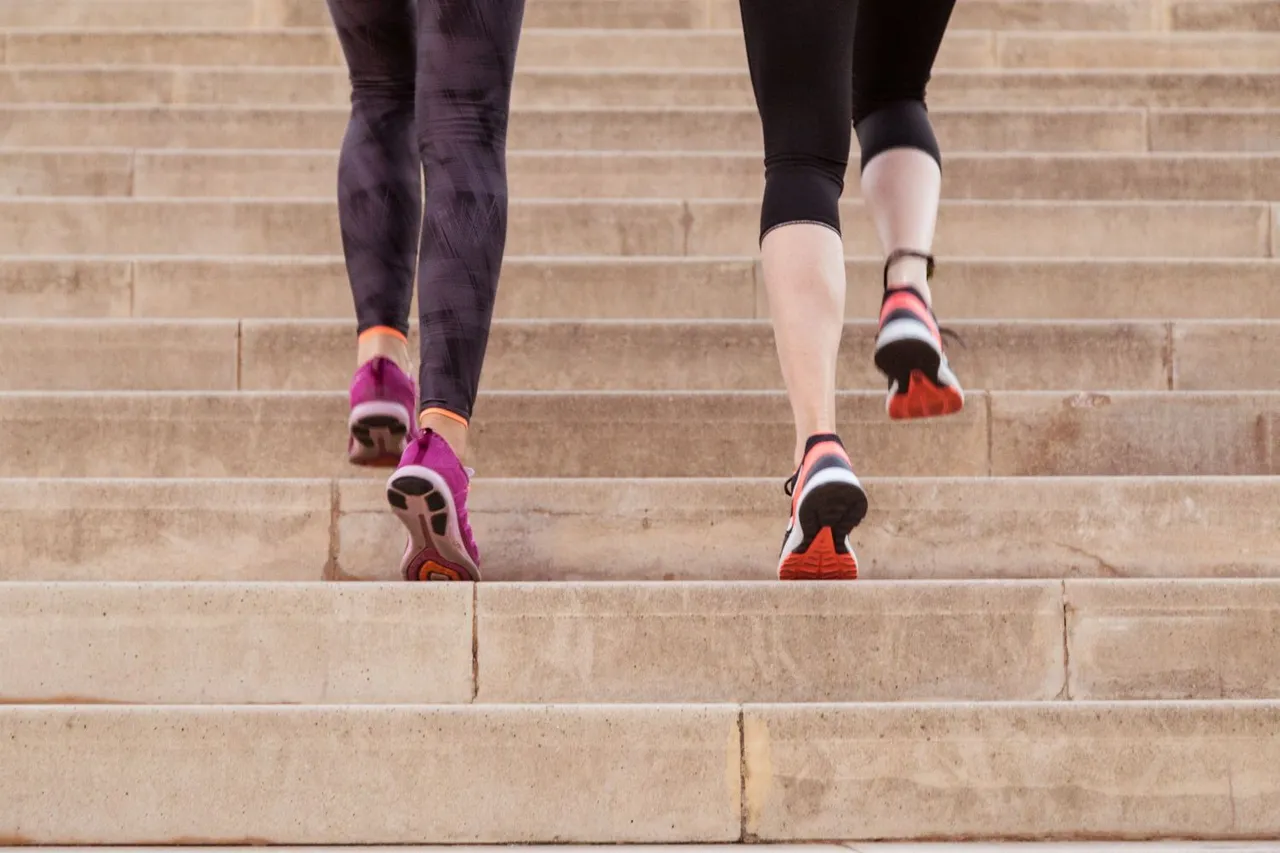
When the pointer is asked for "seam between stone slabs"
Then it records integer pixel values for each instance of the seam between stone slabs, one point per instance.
(686, 227)
(1066, 644)
(990, 433)
(1171, 355)
(133, 287)
(742, 774)
(133, 173)
(330, 570)
(1271, 230)
(475, 641)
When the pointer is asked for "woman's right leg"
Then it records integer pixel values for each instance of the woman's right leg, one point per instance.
(800, 55)
(466, 65)
(379, 208)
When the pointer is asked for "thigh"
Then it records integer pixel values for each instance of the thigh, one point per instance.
(895, 43)
(466, 64)
(378, 38)
(800, 56)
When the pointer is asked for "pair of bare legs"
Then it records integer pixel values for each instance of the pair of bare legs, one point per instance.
(804, 274)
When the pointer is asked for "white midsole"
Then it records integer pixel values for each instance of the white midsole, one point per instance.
(914, 330)
(904, 329)
(822, 478)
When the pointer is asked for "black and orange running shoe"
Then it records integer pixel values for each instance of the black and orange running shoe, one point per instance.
(827, 502)
(909, 352)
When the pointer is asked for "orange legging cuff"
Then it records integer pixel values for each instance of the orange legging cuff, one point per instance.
(382, 330)
(444, 413)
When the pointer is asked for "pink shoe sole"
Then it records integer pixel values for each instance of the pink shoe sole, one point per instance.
(379, 432)
(423, 502)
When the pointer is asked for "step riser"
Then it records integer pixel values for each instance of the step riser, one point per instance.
(637, 289)
(637, 530)
(669, 774)
(882, 771)
(640, 228)
(1244, 15)
(390, 644)
(538, 49)
(1022, 771)
(552, 88)
(149, 174)
(1084, 131)
(278, 644)
(916, 529)
(1108, 15)
(961, 50)
(649, 435)
(300, 356)
(701, 356)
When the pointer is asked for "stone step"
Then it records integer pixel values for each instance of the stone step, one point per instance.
(641, 227)
(522, 643)
(1224, 15)
(293, 355)
(833, 847)
(1192, 51)
(539, 48)
(210, 85)
(1092, 15)
(1213, 130)
(641, 288)
(658, 773)
(647, 434)
(150, 173)
(663, 14)
(638, 48)
(661, 128)
(679, 529)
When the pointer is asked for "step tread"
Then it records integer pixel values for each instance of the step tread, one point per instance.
(659, 773)
(295, 643)
(709, 355)
(639, 529)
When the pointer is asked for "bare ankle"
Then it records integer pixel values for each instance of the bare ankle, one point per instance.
(383, 342)
(449, 426)
(912, 272)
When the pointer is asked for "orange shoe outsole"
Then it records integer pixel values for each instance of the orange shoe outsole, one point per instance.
(923, 399)
(821, 562)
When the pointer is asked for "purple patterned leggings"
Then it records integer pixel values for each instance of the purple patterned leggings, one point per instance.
(431, 94)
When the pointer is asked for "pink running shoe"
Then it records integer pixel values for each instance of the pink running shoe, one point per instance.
(428, 493)
(383, 402)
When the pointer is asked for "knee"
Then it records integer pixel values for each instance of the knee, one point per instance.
(383, 88)
(895, 124)
(802, 188)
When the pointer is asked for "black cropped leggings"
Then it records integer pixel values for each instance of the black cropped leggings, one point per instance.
(431, 91)
(819, 67)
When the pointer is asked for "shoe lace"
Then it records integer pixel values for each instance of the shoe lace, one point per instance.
(790, 486)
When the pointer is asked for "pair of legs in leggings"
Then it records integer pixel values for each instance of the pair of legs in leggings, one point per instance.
(431, 93)
(821, 68)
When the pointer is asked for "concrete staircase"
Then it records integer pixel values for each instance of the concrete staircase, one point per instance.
(1070, 625)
